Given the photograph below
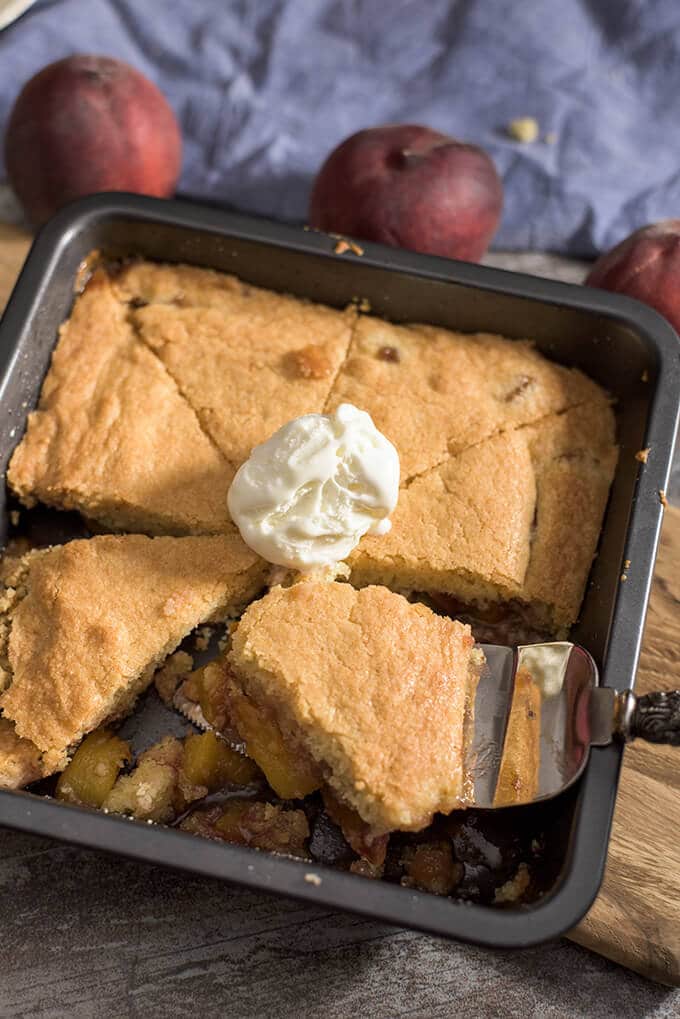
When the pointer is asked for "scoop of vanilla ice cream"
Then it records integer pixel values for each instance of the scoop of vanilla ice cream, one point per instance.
(307, 495)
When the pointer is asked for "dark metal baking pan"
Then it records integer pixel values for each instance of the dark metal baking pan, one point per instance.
(622, 344)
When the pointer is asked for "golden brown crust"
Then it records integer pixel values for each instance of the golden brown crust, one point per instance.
(461, 528)
(97, 616)
(515, 517)
(247, 360)
(440, 391)
(113, 437)
(373, 686)
(501, 498)
(20, 760)
(574, 458)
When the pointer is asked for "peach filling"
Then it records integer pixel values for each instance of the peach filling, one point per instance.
(91, 774)
(288, 768)
(209, 762)
(252, 823)
(360, 836)
(206, 687)
(431, 867)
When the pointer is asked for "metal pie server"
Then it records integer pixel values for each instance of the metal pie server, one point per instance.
(538, 709)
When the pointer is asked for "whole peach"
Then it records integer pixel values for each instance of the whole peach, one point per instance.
(87, 124)
(410, 187)
(646, 265)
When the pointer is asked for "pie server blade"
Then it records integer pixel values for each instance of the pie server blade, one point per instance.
(538, 709)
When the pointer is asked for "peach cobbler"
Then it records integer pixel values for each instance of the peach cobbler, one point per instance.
(331, 725)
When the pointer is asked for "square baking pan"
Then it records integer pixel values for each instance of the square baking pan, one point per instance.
(622, 344)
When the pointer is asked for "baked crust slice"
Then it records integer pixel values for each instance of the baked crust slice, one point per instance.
(85, 624)
(20, 760)
(374, 688)
(515, 518)
(246, 359)
(112, 436)
(434, 392)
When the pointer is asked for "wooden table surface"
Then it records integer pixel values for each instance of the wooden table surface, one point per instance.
(88, 935)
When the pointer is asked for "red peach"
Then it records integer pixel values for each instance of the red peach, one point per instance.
(646, 265)
(410, 187)
(87, 124)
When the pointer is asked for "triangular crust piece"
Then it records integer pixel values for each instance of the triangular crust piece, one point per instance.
(373, 687)
(516, 517)
(434, 392)
(85, 624)
(463, 528)
(113, 437)
(247, 360)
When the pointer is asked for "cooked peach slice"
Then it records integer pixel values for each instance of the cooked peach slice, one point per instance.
(93, 771)
(290, 772)
(209, 762)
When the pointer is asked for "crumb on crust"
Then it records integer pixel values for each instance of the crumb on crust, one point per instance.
(311, 362)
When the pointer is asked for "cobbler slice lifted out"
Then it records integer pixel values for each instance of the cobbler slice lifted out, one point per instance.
(84, 625)
(373, 692)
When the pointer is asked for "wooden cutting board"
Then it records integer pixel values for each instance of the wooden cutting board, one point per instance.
(636, 918)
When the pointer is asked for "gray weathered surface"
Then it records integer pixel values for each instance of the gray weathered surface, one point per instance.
(92, 936)
(89, 936)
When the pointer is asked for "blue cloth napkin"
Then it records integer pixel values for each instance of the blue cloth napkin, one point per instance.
(265, 88)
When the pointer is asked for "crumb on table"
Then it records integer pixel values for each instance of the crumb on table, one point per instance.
(523, 129)
(662, 498)
(643, 455)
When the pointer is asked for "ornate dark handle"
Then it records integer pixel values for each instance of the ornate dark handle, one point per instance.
(655, 717)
